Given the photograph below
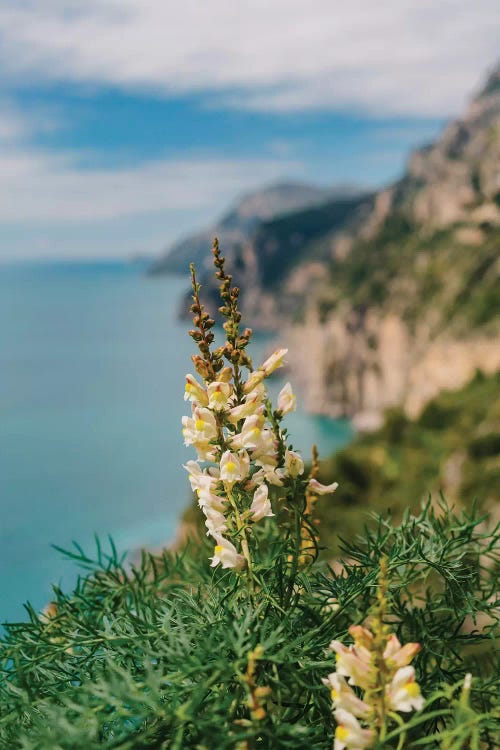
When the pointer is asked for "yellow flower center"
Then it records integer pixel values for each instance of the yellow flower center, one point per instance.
(412, 689)
(230, 467)
(256, 432)
(218, 396)
(200, 425)
(334, 695)
(218, 549)
(341, 733)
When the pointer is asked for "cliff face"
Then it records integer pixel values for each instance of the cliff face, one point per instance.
(409, 303)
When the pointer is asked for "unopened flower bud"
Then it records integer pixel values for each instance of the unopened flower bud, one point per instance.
(225, 375)
(287, 401)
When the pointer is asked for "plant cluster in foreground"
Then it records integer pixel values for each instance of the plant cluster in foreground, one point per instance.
(267, 647)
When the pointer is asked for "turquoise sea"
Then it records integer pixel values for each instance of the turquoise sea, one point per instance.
(92, 365)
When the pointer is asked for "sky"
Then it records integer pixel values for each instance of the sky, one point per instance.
(126, 124)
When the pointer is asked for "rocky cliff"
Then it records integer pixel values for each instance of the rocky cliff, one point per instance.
(409, 302)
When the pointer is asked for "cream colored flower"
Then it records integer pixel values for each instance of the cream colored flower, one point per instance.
(354, 663)
(198, 478)
(322, 489)
(199, 430)
(266, 448)
(268, 473)
(294, 465)
(274, 361)
(261, 505)
(234, 467)
(208, 499)
(215, 521)
(270, 365)
(195, 392)
(200, 427)
(363, 638)
(350, 734)
(344, 697)
(252, 405)
(219, 394)
(255, 379)
(251, 435)
(404, 692)
(398, 655)
(225, 553)
(287, 400)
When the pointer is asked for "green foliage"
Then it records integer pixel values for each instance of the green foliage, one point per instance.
(452, 448)
(157, 655)
(286, 240)
(422, 276)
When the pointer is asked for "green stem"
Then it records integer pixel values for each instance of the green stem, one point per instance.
(242, 529)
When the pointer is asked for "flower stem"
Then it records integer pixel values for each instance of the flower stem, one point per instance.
(242, 529)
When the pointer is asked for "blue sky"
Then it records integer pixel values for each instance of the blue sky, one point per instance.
(126, 124)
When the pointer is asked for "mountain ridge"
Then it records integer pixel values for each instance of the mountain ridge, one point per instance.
(236, 225)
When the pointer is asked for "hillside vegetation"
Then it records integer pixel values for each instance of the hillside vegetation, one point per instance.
(453, 448)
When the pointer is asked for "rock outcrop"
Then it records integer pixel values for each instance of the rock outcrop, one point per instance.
(409, 304)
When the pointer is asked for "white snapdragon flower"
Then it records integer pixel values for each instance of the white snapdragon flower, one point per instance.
(268, 473)
(234, 467)
(261, 505)
(198, 478)
(270, 365)
(203, 483)
(398, 655)
(354, 662)
(250, 436)
(344, 697)
(255, 379)
(215, 521)
(287, 400)
(199, 430)
(395, 687)
(208, 499)
(404, 692)
(294, 465)
(350, 734)
(195, 392)
(200, 427)
(322, 489)
(251, 405)
(219, 394)
(225, 553)
(266, 447)
(274, 361)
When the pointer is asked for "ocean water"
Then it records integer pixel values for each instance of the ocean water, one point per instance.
(92, 364)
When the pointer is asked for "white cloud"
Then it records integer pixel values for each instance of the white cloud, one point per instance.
(50, 205)
(388, 57)
(40, 186)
